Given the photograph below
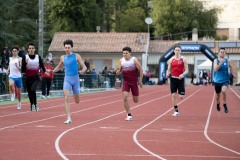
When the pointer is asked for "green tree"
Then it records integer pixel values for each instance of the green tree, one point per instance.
(181, 16)
(18, 22)
(131, 17)
(72, 16)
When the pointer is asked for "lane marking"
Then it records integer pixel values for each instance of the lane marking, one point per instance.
(137, 131)
(171, 129)
(44, 126)
(109, 127)
(57, 147)
(235, 93)
(142, 155)
(206, 130)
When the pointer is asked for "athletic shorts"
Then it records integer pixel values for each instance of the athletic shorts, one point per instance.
(218, 86)
(177, 85)
(17, 81)
(72, 83)
(130, 86)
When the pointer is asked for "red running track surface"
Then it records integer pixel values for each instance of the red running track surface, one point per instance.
(99, 131)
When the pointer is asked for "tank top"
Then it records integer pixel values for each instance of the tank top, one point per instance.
(14, 71)
(177, 67)
(222, 75)
(32, 67)
(70, 64)
(130, 71)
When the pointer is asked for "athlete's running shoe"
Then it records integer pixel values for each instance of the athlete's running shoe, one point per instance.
(19, 106)
(12, 97)
(175, 114)
(68, 121)
(225, 109)
(129, 118)
(36, 108)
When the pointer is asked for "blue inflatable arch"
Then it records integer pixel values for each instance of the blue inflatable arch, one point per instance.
(185, 48)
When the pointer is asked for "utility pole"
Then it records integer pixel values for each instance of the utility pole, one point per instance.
(40, 27)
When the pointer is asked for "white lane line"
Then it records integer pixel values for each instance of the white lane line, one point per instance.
(235, 93)
(51, 99)
(46, 108)
(206, 130)
(137, 131)
(119, 155)
(21, 124)
(63, 156)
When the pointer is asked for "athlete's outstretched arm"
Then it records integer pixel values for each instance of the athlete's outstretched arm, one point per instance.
(81, 63)
(59, 66)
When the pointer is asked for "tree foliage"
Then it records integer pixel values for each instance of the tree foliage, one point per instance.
(72, 16)
(19, 18)
(131, 18)
(18, 22)
(181, 16)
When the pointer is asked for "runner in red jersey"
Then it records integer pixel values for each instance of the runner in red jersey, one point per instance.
(177, 68)
(130, 67)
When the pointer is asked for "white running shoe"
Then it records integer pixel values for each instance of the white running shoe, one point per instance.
(19, 106)
(43, 97)
(68, 121)
(12, 97)
(48, 97)
(129, 118)
(175, 114)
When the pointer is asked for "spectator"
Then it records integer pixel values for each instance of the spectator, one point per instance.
(200, 77)
(5, 58)
(94, 78)
(105, 71)
(50, 58)
(112, 77)
(87, 64)
(148, 75)
(47, 79)
(192, 77)
(22, 52)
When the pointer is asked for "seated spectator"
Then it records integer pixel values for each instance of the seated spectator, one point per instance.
(148, 75)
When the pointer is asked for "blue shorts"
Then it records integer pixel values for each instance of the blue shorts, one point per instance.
(72, 83)
(17, 81)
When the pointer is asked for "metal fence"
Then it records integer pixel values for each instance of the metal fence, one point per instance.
(86, 81)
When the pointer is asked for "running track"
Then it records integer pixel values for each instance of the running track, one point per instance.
(99, 131)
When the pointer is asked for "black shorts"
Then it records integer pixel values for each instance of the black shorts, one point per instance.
(218, 86)
(177, 85)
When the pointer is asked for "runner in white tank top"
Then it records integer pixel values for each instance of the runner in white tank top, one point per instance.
(15, 76)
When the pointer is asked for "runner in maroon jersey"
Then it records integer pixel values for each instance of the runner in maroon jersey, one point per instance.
(130, 67)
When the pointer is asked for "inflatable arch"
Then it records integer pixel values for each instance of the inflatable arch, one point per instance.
(185, 48)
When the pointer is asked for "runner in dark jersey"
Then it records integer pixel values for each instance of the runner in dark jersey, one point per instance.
(31, 64)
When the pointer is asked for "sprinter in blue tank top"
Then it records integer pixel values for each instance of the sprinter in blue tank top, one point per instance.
(221, 78)
(71, 79)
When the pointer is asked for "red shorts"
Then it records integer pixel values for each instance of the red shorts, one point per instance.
(133, 86)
